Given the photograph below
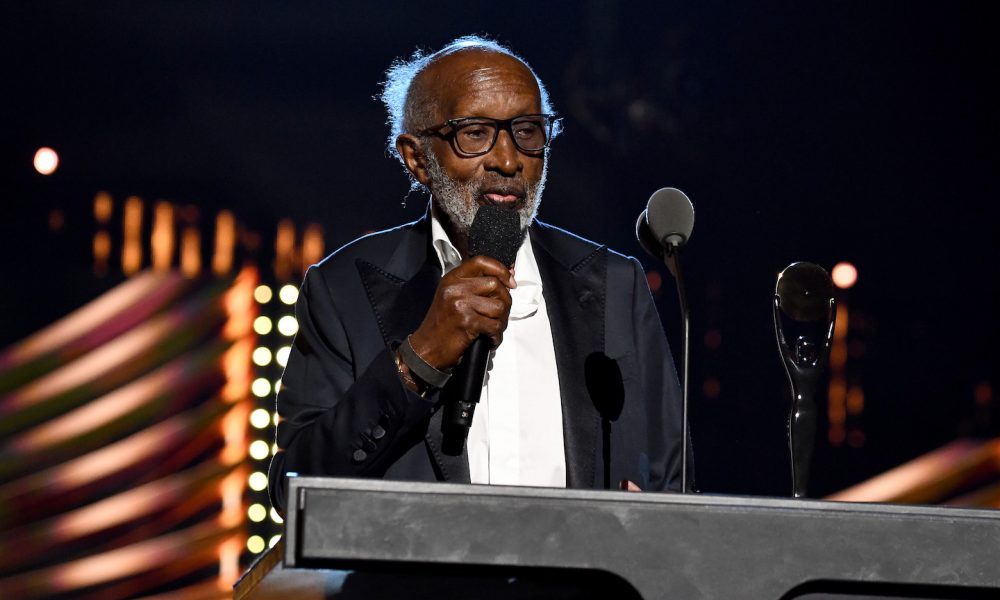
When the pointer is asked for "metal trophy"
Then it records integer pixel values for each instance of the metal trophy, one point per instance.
(805, 313)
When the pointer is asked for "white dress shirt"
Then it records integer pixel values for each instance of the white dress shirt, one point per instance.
(516, 436)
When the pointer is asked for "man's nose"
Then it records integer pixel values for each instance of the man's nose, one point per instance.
(504, 158)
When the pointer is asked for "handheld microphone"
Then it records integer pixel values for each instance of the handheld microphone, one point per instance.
(496, 232)
(662, 229)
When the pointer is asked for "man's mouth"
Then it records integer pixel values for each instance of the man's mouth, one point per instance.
(504, 198)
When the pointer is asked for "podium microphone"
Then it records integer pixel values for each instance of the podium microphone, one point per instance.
(662, 229)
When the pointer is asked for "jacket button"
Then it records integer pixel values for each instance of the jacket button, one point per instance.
(378, 432)
(359, 455)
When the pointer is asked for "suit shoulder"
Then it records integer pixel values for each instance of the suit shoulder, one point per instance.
(581, 247)
(376, 247)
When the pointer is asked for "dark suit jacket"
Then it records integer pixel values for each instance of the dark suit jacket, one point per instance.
(344, 411)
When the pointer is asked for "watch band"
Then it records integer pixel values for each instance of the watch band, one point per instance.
(420, 368)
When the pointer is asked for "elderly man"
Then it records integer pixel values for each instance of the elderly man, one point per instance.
(385, 318)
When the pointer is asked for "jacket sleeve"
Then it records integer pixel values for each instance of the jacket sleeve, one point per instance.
(336, 417)
(663, 389)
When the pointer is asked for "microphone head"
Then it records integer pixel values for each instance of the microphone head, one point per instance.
(646, 238)
(671, 216)
(496, 232)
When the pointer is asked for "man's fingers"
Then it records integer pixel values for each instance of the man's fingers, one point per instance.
(491, 308)
(489, 287)
(483, 266)
(629, 486)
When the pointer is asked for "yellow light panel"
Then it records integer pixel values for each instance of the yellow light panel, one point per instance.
(281, 356)
(288, 294)
(257, 513)
(257, 481)
(255, 544)
(263, 294)
(261, 356)
(262, 325)
(261, 387)
(287, 325)
(259, 450)
(260, 418)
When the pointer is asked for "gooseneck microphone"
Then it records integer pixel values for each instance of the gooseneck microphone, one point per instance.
(662, 229)
(496, 232)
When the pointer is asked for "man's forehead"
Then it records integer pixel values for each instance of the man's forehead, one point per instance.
(467, 74)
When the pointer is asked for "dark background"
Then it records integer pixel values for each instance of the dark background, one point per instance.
(824, 132)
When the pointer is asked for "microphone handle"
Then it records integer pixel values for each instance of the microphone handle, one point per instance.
(673, 258)
(462, 393)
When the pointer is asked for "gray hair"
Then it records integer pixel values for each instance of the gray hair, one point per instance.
(407, 110)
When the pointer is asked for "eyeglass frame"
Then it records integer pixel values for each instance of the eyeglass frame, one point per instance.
(501, 125)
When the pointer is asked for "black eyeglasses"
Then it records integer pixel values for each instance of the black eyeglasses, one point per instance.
(475, 136)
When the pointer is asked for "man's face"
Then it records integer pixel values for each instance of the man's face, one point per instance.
(483, 84)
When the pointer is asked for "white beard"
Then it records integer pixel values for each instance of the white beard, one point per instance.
(458, 200)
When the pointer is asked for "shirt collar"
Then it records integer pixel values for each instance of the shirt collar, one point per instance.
(528, 293)
(447, 255)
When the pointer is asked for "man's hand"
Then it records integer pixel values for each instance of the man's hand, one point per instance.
(471, 300)
(628, 485)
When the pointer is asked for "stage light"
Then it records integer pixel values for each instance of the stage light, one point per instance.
(57, 220)
(259, 450)
(261, 356)
(191, 252)
(46, 161)
(844, 275)
(103, 207)
(287, 325)
(260, 387)
(275, 516)
(262, 294)
(225, 241)
(276, 418)
(257, 481)
(855, 400)
(274, 540)
(102, 249)
(983, 394)
(260, 418)
(257, 513)
(132, 231)
(312, 245)
(274, 448)
(281, 356)
(255, 544)
(262, 325)
(284, 250)
(162, 238)
(289, 294)
(654, 280)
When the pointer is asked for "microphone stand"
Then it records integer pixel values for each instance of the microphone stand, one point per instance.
(672, 256)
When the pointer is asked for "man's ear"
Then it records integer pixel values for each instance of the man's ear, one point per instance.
(412, 151)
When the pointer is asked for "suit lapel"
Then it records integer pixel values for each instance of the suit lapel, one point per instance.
(573, 282)
(400, 294)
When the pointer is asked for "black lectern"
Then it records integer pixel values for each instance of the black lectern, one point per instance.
(348, 538)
